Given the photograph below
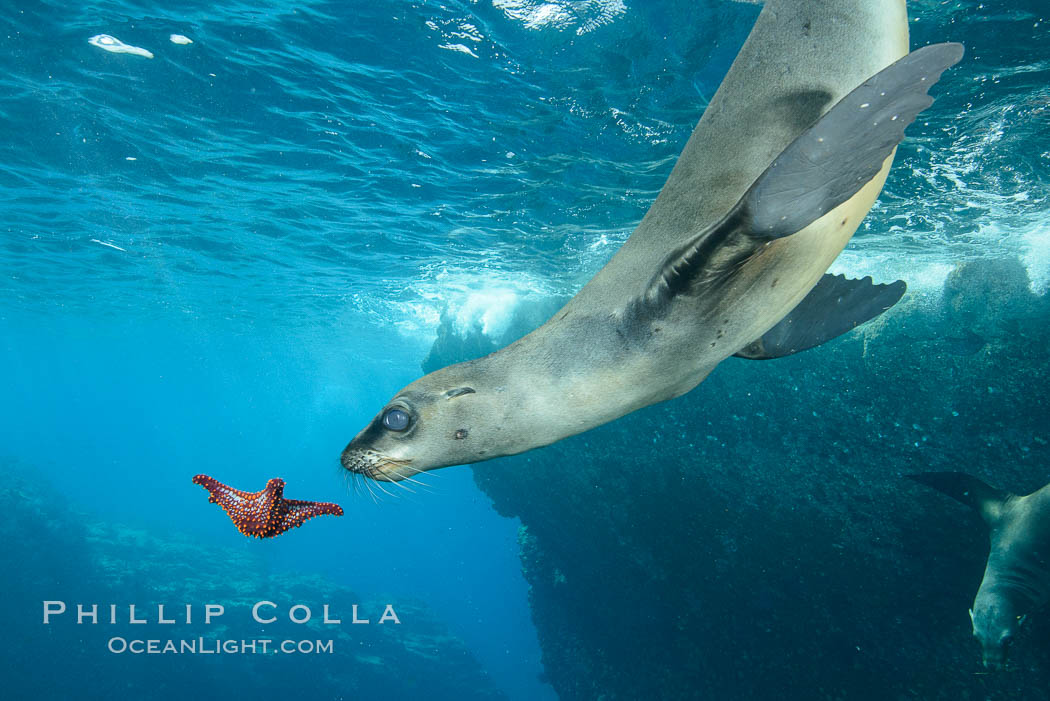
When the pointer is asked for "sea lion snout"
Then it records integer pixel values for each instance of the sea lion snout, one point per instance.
(371, 463)
(352, 459)
(995, 627)
(993, 653)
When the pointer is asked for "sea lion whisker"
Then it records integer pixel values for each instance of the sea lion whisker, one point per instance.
(373, 470)
(379, 486)
(417, 471)
(398, 484)
(345, 475)
(423, 485)
(370, 493)
(348, 480)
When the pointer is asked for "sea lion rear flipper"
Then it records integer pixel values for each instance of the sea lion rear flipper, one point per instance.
(836, 305)
(847, 147)
(821, 169)
(985, 499)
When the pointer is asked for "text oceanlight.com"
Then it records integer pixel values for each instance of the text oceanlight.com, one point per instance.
(204, 646)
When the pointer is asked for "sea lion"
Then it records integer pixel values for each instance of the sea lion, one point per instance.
(771, 185)
(1017, 576)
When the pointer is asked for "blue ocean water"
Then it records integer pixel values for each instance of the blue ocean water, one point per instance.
(225, 258)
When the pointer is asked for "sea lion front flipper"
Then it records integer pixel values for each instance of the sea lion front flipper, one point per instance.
(985, 499)
(836, 305)
(822, 168)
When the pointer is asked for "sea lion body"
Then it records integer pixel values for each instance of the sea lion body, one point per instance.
(800, 58)
(693, 284)
(1017, 577)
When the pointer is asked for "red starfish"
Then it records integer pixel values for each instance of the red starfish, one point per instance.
(266, 513)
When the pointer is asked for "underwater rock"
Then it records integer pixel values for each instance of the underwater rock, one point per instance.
(754, 538)
(980, 294)
(456, 345)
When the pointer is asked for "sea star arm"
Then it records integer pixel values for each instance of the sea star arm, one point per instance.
(300, 511)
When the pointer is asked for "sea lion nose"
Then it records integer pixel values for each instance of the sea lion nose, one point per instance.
(993, 660)
(350, 458)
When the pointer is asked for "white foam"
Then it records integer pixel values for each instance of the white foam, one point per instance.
(601, 242)
(482, 299)
(116, 46)
(460, 48)
(1030, 243)
(110, 245)
(922, 275)
(1036, 258)
(491, 310)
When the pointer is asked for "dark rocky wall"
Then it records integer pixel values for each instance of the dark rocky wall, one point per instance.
(757, 538)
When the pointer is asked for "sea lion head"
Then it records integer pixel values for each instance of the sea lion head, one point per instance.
(995, 623)
(452, 416)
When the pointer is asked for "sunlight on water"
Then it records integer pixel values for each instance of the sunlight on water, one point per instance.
(582, 15)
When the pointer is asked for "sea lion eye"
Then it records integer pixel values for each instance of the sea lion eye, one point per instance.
(396, 420)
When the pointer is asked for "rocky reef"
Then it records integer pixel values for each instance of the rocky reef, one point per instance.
(757, 538)
(52, 553)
